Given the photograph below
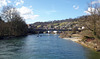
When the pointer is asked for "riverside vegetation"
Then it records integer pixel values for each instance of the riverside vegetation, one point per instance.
(11, 23)
(91, 34)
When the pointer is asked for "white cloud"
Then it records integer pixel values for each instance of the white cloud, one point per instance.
(86, 12)
(24, 10)
(96, 1)
(27, 13)
(75, 7)
(18, 2)
(9, 1)
(3, 3)
(31, 17)
(91, 10)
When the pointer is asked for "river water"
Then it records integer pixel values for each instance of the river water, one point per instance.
(46, 46)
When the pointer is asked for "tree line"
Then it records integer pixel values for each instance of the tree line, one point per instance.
(11, 23)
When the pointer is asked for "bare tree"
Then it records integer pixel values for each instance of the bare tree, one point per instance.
(15, 24)
(92, 21)
(8, 13)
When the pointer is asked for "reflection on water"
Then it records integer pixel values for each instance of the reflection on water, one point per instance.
(46, 46)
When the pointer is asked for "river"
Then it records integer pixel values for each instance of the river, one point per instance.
(46, 46)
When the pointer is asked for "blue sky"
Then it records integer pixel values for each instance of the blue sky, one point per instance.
(48, 10)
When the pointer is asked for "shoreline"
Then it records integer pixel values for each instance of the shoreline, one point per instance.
(79, 41)
(75, 39)
(9, 37)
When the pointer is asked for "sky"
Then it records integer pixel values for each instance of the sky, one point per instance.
(49, 10)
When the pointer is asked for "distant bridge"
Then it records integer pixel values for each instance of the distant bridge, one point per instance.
(46, 30)
(51, 29)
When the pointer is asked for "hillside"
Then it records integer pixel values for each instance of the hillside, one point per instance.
(56, 24)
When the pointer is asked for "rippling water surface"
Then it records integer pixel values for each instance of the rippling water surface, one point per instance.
(47, 46)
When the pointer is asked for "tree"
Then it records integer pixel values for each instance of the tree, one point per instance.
(19, 27)
(92, 21)
(1, 26)
(15, 25)
(1, 20)
(8, 13)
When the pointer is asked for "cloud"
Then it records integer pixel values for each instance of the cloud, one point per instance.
(24, 10)
(3, 3)
(90, 10)
(75, 7)
(18, 2)
(9, 1)
(31, 17)
(94, 2)
(27, 13)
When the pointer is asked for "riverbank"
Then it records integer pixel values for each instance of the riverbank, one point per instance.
(9, 37)
(75, 39)
(92, 44)
(13, 36)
